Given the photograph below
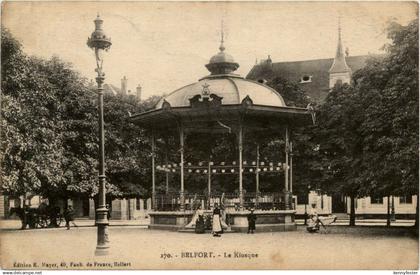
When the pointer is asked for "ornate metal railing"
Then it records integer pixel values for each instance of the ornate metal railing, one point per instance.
(229, 201)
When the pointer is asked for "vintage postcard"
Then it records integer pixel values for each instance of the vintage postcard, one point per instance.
(209, 135)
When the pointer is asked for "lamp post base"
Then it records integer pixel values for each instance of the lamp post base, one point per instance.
(102, 246)
(102, 250)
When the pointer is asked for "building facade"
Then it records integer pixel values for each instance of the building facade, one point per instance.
(121, 209)
(400, 207)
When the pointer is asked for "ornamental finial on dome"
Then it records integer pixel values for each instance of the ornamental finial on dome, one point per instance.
(222, 63)
(222, 47)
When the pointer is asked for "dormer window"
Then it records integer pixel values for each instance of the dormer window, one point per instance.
(306, 79)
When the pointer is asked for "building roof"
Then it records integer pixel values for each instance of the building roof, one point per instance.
(111, 89)
(318, 86)
(218, 119)
(232, 90)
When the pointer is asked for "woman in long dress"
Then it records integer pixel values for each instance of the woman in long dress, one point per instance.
(199, 224)
(217, 225)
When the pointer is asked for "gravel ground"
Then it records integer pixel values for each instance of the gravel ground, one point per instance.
(138, 248)
(16, 223)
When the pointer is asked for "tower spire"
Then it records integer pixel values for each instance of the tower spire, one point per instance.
(339, 27)
(339, 45)
(339, 71)
(339, 65)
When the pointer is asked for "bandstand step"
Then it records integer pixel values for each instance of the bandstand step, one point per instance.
(191, 230)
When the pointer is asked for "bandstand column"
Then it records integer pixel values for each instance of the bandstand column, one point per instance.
(181, 149)
(166, 165)
(153, 171)
(240, 147)
(257, 177)
(209, 185)
(291, 167)
(286, 170)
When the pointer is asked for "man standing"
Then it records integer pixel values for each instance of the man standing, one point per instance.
(23, 214)
(69, 216)
(251, 221)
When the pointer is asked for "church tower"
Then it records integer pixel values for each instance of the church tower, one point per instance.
(339, 71)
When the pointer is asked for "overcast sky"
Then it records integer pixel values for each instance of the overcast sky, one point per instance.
(165, 45)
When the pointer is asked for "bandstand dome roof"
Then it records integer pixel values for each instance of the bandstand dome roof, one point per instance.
(232, 89)
(222, 98)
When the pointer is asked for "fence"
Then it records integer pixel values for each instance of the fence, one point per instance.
(229, 201)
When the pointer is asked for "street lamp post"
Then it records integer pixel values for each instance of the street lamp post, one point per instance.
(101, 43)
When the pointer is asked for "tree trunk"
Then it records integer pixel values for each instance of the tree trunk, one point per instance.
(24, 218)
(416, 224)
(352, 211)
(388, 213)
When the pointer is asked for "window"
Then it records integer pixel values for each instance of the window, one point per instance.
(85, 206)
(306, 79)
(406, 200)
(138, 203)
(376, 200)
(302, 199)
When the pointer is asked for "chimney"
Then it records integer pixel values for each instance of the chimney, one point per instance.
(138, 92)
(124, 85)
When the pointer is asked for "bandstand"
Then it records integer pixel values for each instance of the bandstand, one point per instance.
(218, 103)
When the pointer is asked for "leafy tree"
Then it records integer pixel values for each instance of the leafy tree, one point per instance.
(340, 144)
(127, 148)
(388, 88)
(50, 139)
(305, 154)
(32, 135)
(368, 132)
(292, 93)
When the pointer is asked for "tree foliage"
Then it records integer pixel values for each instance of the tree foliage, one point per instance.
(305, 156)
(50, 131)
(368, 132)
(388, 89)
